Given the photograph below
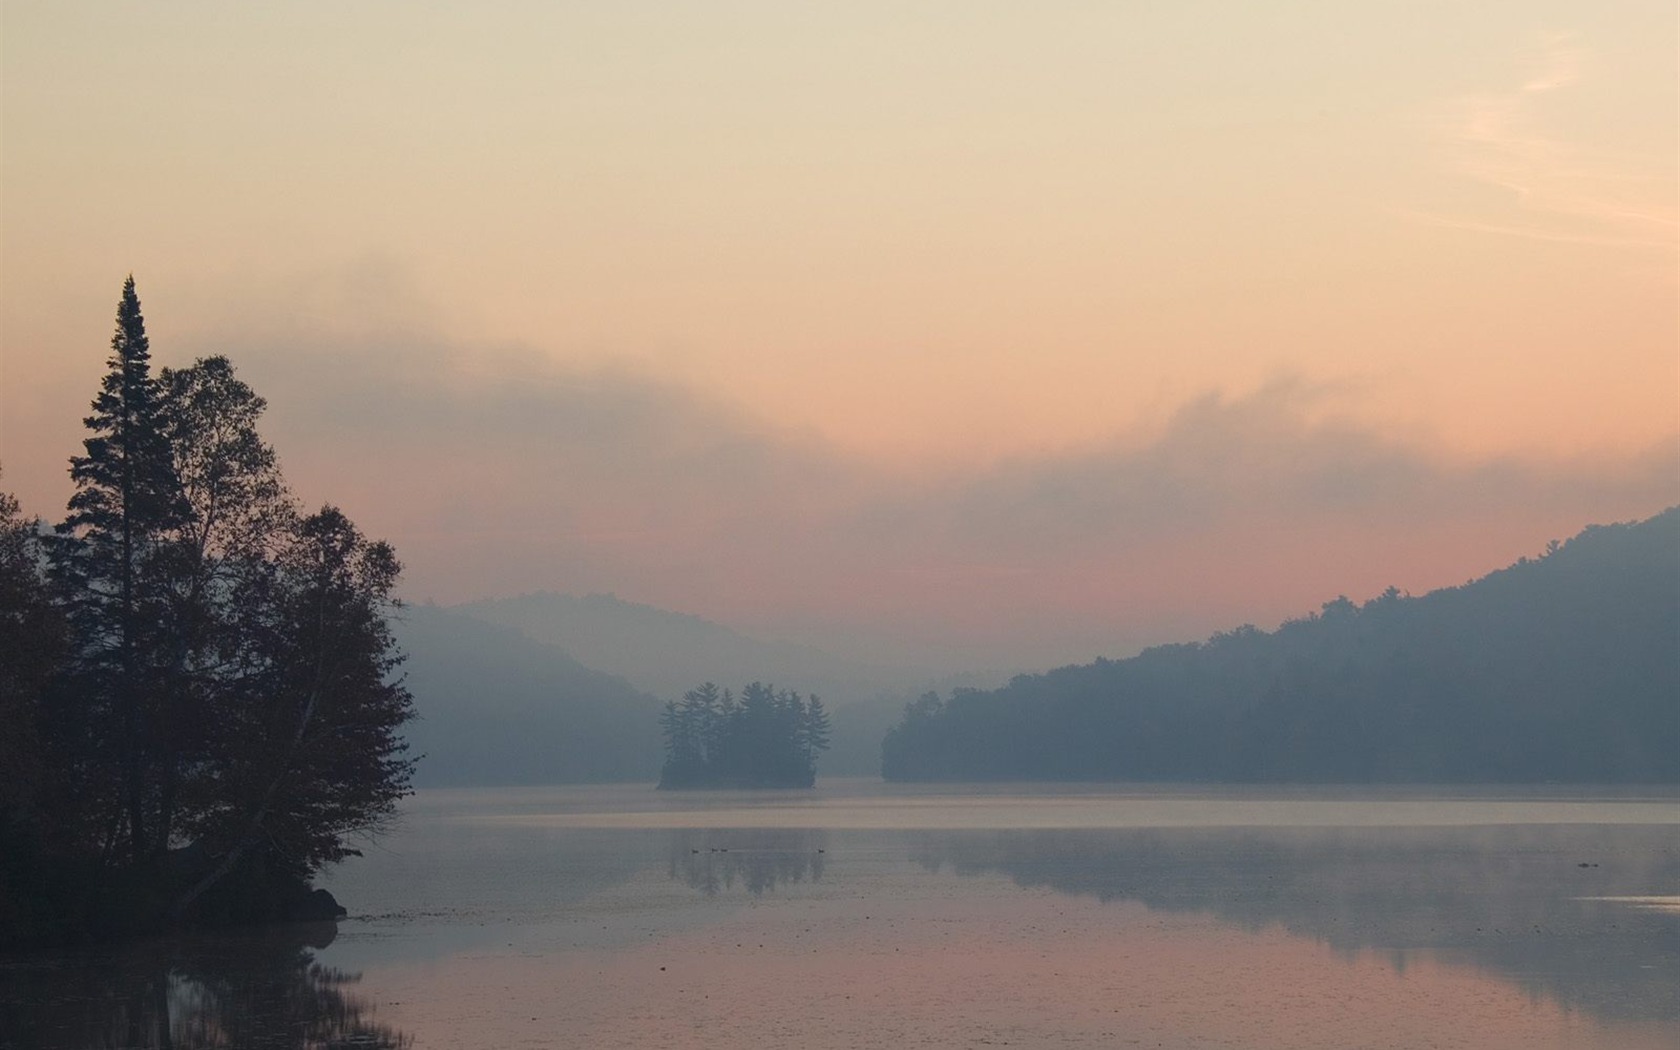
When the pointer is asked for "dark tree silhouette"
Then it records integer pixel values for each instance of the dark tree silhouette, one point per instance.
(31, 649)
(33, 643)
(108, 568)
(204, 679)
(307, 750)
(766, 739)
(1562, 667)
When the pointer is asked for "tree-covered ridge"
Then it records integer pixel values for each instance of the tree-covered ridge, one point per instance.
(1561, 667)
(766, 738)
(498, 708)
(198, 691)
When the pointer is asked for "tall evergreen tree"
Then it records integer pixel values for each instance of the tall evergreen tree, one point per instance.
(217, 677)
(709, 717)
(108, 569)
(814, 731)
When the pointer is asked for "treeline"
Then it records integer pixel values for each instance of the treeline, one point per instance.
(1561, 667)
(767, 738)
(198, 704)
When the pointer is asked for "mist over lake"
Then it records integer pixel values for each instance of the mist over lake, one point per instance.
(862, 526)
(866, 916)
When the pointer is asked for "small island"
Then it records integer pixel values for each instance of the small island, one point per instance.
(767, 738)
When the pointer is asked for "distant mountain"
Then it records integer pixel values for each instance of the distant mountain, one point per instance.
(667, 653)
(1565, 667)
(496, 707)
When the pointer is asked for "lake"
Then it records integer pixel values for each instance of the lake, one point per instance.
(872, 915)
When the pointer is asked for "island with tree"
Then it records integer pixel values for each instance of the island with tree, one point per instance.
(199, 705)
(768, 738)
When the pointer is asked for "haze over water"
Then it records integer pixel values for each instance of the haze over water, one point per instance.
(866, 916)
(887, 351)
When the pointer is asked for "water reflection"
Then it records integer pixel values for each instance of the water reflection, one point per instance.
(264, 991)
(756, 860)
(1517, 902)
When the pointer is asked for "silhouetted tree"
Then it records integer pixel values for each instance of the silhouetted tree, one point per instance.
(32, 648)
(108, 568)
(308, 747)
(1557, 668)
(814, 729)
(767, 739)
(206, 676)
(684, 757)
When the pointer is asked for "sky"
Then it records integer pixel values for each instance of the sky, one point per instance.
(975, 334)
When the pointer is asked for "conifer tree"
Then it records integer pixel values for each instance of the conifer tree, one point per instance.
(814, 732)
(769, 738)
(229, 687)
(108, 569)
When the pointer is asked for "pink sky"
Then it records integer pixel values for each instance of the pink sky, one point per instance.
(1010, 334)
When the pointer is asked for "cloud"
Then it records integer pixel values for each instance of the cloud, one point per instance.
(498, 471)
(1561, 189)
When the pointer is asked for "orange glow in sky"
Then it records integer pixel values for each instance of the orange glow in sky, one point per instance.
(604, 275)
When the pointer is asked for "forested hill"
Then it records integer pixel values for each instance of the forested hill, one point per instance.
(1564, 667)
(666, 653)
(495, 707)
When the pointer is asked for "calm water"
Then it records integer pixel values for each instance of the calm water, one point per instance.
(866, 916)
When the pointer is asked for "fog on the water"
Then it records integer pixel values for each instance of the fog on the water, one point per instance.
(1517, 918)
(855, 526)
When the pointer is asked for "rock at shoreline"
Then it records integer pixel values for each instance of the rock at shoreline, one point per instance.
(317, 905)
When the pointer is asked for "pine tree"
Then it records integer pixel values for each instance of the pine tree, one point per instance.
(769, 739)
(230, 682)
(813, 733)
(107, 565)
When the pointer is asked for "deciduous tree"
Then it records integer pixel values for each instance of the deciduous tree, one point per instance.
(228, 697)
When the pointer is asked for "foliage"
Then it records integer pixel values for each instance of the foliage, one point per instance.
(32, 645)
(767, 738)
(32, 652)
(108, 567)
(203, 679)
(1562, 667)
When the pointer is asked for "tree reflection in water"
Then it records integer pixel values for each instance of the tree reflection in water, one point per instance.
(1525, 903)
(260, 990)
(756, 860)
